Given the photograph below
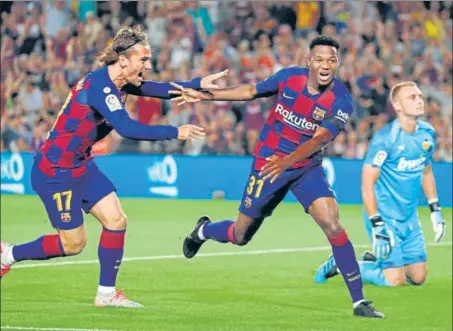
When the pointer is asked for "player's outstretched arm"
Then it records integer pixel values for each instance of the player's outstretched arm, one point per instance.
(112, 110)
(161, 90)
(189, 131)
(242, 92)
(430, 190)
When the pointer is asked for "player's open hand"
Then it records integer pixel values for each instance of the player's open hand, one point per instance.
(190, 131)
(275, 167)
(208, 81)
(187, 94)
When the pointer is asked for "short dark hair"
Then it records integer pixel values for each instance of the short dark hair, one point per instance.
(324, 41)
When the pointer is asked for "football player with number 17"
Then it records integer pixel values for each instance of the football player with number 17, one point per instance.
(67, 179)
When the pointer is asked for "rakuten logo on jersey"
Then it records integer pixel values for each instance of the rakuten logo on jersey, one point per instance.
(416, 164)
(295, 120)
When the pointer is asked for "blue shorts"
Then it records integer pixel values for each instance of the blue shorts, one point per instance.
(65, 197)
(409, 243)
(261, 197)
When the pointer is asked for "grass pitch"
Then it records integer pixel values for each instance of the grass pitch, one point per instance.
(265, 286)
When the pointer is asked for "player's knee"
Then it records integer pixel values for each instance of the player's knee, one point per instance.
(242, 241)
(332, 228)
(121, 221)
(330, 224)
(417, 279)
(241, 237)
(118, 221)
(73, 246)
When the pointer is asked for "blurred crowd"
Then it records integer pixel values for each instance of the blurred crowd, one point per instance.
(48, 45)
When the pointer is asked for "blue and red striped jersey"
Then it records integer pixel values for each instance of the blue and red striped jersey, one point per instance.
(93, 108)
(297, 114)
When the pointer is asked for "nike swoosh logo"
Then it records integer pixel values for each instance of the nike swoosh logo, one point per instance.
(352, 273)
(286, 96)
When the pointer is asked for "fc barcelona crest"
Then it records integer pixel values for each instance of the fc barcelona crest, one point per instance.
(318, 114)
(65, 217)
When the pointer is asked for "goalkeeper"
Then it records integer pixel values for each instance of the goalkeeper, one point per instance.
(397, 166)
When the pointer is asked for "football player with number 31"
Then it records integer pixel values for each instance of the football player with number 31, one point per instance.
(312, 108)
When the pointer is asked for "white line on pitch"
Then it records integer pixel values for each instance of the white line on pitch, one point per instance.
(172, 257)
(7, 327)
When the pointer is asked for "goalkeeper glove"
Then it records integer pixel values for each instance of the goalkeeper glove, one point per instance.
(382, 240)
(437, 220)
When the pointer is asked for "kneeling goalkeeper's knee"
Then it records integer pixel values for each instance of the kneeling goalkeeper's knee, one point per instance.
(417, 282)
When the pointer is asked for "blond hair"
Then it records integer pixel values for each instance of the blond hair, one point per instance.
(395, 89)
(124, 40)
